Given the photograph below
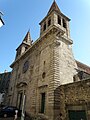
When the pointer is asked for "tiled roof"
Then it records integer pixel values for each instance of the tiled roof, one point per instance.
(82, 66)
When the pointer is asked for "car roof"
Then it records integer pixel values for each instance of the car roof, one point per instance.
(10, 107)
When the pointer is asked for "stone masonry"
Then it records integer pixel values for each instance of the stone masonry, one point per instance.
(41, 67)
(74, 96)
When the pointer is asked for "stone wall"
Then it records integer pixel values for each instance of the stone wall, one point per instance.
(4, 86)
(74, 96)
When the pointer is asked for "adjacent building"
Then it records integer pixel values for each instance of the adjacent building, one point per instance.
(4, 85)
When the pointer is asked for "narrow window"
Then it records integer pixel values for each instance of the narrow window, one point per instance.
(42, 102)
(44, 62)
(43, 75)
(64, 24)
(44, 27)
(25, 66)
(26, 48)
(49, 22)
(59, 20)
(74, 78)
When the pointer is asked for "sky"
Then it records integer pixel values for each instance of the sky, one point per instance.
(23, 15)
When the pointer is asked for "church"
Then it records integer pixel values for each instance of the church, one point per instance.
(47, 74)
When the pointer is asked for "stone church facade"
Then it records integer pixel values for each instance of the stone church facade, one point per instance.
(43, 69)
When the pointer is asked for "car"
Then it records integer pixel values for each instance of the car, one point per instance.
(9, 111)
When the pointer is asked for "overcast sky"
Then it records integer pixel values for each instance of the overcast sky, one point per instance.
(22, 15)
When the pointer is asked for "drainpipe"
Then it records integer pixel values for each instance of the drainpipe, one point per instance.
(23, 108)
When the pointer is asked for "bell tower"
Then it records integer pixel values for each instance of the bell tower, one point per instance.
(26, 43)
(55, 19)
(55, 34)
(57, 24)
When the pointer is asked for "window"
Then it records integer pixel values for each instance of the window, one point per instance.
(64, 23)
(25, 66)
(74, 78)
(42, 102)
(43, 75)
(59, 20)
(44, 62)
(44, 27)
(49, 22)
(26, 48)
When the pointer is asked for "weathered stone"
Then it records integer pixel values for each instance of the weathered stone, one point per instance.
(42, 72)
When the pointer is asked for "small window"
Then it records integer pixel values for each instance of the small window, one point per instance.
(59, 20)
(64, 24)
(44, 27)
(44, 62)
(26, 48)
(49, 22)
(43, 75)
(25, 66)
(42, 102)
(74, 78)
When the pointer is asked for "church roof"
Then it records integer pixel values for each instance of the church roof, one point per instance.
(54, 7)
(83, 67)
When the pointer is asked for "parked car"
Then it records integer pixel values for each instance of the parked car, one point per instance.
(9, 111)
